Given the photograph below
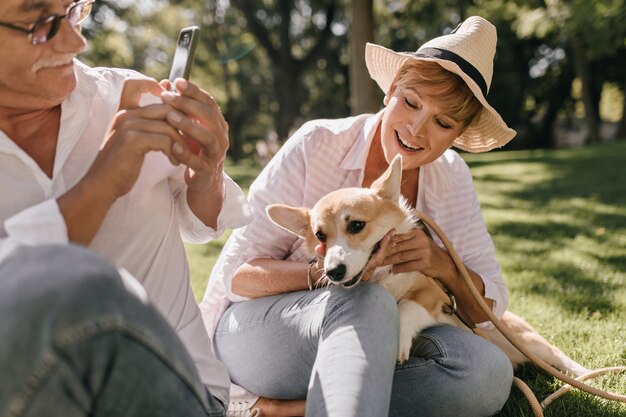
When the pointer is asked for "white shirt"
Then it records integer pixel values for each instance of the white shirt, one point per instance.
(324, 156)
(141, 232)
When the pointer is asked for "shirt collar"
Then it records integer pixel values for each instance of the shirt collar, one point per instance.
(75, 114)
(357, 155)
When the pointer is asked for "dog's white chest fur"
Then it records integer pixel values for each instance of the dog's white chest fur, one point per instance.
(396, 284)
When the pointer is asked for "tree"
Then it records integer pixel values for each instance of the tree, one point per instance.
(581, 28)
(294, 36)
(272, 64)
(363, 90)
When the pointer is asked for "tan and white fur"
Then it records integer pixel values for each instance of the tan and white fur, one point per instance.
(352, 222)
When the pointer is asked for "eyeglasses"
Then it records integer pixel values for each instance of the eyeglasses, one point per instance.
(45, 28)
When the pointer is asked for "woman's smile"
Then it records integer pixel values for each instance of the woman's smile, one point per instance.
(404, 144)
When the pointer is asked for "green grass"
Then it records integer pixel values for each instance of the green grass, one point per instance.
(558, 219)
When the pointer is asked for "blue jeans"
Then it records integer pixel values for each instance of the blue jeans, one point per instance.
(337, 348)
(76, 342)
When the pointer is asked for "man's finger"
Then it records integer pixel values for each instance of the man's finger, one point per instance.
(206, 111)
(134, 88)
(191, 90)
(185, 156)
(213, 147)
(152, 112)
(166, 85)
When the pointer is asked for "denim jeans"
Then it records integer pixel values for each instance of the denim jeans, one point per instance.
(337, 348)
(76, 342)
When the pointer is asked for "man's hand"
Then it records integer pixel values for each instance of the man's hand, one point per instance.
(134, 132)
(204, 131)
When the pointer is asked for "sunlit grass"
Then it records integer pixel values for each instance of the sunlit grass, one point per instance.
(558, 220)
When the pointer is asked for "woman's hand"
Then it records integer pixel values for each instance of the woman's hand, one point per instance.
(416, 251)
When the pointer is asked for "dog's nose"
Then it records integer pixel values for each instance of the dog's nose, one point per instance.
(337, 273)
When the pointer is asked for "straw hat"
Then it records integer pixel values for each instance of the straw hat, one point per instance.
(468, 52)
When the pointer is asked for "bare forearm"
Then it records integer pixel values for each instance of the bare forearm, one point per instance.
(206, 203)
(263, 277)
(84, 207)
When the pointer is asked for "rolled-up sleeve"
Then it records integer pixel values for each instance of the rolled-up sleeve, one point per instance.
(480, 257)
(450, 199)
(281, 182)
(37, 225)
(476, 246)
(234, 212)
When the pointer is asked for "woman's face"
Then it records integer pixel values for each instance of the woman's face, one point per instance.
(415, 126)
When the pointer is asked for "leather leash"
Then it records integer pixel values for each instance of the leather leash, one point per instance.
(569, 381)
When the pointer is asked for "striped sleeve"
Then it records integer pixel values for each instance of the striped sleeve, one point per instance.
(280, 182)
(450, 198)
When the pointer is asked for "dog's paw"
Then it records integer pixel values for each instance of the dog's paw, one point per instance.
(404, 349)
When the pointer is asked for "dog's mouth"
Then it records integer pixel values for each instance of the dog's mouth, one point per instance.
(357, 278)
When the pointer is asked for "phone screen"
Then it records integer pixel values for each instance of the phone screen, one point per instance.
(185, 52)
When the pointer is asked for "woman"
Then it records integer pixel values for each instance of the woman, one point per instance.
(336, 347)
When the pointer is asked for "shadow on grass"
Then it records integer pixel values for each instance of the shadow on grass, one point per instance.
(575, 291)
(586, 191)
(591, 184)
(597, 172)
(617, 262)
(536, 230)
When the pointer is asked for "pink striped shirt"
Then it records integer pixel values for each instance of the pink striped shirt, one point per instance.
(326, 155)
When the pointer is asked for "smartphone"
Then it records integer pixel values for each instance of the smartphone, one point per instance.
(185, 53)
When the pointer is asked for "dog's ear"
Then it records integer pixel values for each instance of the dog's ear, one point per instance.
(388, 184)
(296, 220)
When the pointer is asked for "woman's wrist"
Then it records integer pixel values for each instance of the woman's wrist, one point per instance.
(450, 275)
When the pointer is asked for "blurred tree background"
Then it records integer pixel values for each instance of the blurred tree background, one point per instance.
(560, 77)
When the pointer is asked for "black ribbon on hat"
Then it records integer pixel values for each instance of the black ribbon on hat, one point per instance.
(465, 66)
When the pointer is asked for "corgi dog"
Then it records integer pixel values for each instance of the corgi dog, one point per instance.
(351, 222)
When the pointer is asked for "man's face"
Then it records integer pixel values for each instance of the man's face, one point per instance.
(36, 76)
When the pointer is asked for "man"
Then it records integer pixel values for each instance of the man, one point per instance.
(81, 162)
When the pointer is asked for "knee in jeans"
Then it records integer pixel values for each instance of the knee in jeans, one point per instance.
(59, 264)
(367, 303)
(61, 278)
(490, 382)
(497, 365)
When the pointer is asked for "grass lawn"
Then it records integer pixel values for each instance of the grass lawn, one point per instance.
(558, 219)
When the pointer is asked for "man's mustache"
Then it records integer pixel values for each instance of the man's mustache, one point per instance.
(56, 61)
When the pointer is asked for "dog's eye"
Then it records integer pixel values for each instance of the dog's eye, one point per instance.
(320, 236)
(355, 226)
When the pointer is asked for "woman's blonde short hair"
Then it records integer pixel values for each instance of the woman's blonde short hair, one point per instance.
(455, 95)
